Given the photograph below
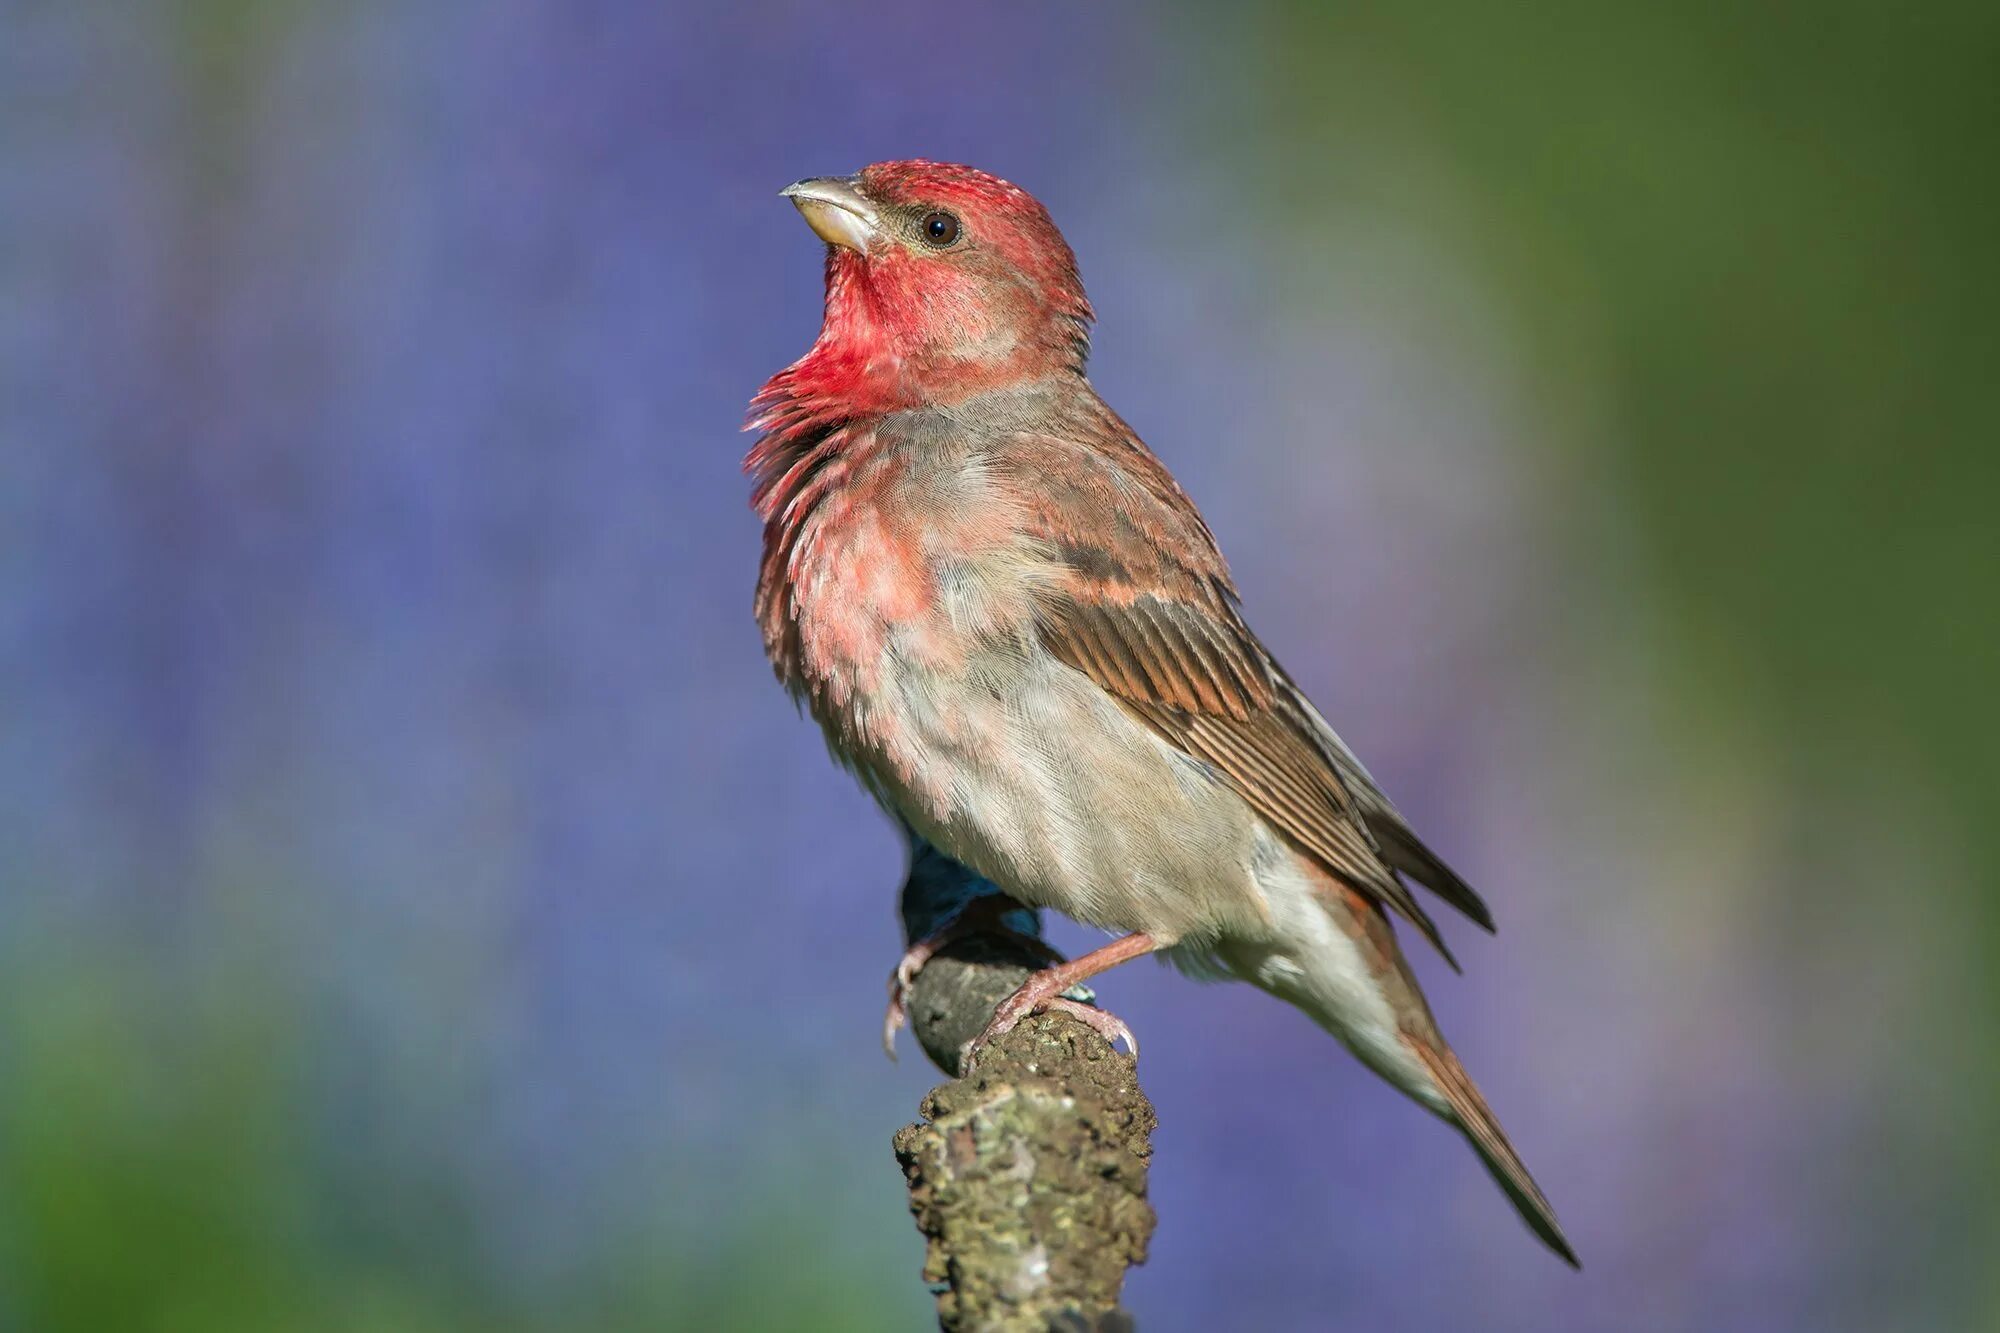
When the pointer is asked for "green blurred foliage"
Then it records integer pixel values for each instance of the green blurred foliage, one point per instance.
(1765, 232)
(164, 1169)
(1744, 255)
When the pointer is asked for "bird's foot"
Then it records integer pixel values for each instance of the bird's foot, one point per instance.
(982, 916)
(1057, 988)
(1055, 995)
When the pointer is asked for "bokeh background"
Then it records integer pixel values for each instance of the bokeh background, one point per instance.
(419, 910)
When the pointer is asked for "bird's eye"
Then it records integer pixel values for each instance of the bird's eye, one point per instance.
(939, 229)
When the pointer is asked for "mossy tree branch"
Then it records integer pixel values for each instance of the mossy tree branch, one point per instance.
(1027, 1177)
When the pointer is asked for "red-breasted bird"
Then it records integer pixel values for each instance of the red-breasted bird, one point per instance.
(1019, 634)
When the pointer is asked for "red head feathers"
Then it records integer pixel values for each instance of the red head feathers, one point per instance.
(941, 282)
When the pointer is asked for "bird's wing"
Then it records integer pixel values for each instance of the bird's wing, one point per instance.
(1145, 607)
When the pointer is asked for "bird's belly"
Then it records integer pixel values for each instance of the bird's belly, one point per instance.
(1025, 770)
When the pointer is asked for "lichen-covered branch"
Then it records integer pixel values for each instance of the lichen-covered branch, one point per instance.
(1027, 1177)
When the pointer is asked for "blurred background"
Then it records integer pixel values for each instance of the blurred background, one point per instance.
(420, 910)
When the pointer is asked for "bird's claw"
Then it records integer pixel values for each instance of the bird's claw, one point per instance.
(1024, 1002)
(971, 921)
(898, 1016)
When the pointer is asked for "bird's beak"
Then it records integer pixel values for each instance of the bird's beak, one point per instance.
(835, 208)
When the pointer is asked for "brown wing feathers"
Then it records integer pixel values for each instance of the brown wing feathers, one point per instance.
(1279, 773)
(1198, 681)
(1405, 851)
(1148, 612)
(1151, 650)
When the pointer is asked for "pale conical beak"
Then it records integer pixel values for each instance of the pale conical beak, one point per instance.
(835, 208)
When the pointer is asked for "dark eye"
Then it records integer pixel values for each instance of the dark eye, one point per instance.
(940, 229)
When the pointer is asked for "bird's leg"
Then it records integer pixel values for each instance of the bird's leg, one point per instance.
(1043, 992)
(984, 915)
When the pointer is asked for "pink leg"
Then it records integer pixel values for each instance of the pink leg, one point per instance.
(982, 916)
(1044, 991)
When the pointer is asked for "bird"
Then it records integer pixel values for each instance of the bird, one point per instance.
(1019, 634)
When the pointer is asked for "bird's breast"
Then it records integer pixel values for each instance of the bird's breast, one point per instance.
(910, 570)
(912, 595)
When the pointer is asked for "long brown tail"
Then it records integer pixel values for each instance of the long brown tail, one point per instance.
(1475, 1118)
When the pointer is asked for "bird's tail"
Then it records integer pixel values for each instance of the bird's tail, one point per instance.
(1470, 1112)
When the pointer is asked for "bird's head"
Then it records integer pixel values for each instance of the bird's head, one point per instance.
(941, 282)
